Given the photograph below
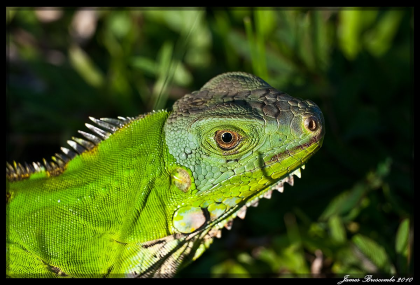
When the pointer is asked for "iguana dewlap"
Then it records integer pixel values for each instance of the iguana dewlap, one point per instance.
(143, 196)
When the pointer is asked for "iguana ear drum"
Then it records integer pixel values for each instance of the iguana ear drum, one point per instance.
(181, 179)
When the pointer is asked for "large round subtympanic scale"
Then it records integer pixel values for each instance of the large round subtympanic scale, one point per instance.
(188, 219)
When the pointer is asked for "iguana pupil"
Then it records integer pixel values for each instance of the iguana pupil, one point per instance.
(227, 140)
(227, 137)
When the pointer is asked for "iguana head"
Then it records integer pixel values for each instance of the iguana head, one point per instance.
(236, 139)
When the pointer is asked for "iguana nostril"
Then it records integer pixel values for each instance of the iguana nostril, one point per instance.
(311, 124)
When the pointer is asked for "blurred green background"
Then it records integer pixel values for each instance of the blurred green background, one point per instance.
(352, 210)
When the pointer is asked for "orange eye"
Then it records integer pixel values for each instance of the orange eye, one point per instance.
(227, 140)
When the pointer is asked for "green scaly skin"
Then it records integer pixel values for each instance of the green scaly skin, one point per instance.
(142, 197)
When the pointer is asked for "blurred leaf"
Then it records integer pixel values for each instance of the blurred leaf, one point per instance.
(29, 20)
(305, 47)
(251, 45)
(401, 242)
(10, 13)
(164, 70)
(292, 260)
(378, 39)
(84, 65)
(145, 64)
(229, 268)
(368, 16)
(263, 25)
(292, 229)
(402, 246)
(349, 32)
(338, 232)
(265, 21)
(373, 251)
(316, 230)
(196, 40)
(384, 167)
(344, 202)
(222, 30)
(320, 40)
(346, 261)
(269, 256)
(350, 202)
(119, 24)
(182, 76)
(240, 13)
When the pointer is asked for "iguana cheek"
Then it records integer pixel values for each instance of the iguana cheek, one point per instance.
(188, 219)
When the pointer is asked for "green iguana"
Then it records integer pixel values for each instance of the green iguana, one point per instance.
(143, 196)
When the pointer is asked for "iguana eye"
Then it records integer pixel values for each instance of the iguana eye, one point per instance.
(227, 139)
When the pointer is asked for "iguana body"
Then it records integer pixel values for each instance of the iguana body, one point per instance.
(143, 196)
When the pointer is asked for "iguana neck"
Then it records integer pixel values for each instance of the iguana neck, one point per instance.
(131, 174)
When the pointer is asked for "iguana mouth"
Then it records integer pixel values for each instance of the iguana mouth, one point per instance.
(226, 220)
(239, 210)
(275, 158)
(214, 214)
(288, 178)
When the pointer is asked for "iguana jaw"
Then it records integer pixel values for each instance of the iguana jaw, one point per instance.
(216, 213)
(267, 168)
(285, 176)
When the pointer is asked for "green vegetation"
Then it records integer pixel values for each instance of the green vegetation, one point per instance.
(353, 207)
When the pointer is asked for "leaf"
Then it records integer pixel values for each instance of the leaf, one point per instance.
(164, 70)
(337, 230)
(373, 251)
(349, 32)
(402, 246)
(401, 241)
(321, 40)
(119, 24)
(84, 65)
(345, 202)
(145, 64)
(378, 40)
(229, 268)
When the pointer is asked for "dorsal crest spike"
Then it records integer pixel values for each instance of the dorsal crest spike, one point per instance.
(86, 144)
(64, 158)
(104, 124)
(9, 166)
(35, 165)
(78, 148)
(94, 139)
(69, 153)
(106, 127)
(102, 134)
(115, 122)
